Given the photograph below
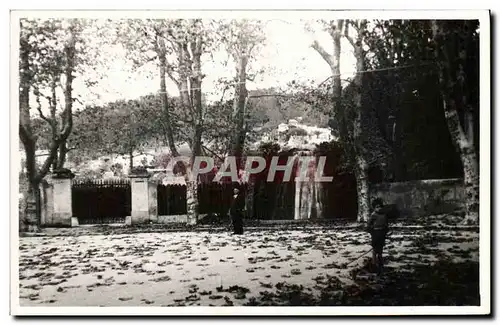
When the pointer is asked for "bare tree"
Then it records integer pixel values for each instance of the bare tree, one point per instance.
(242, 40)
(357, 146)
(450, 40)
(41, 62)
(361, 138)
(145, 41)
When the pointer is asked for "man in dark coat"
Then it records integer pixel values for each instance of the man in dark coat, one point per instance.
(378, 226)
(236, 211)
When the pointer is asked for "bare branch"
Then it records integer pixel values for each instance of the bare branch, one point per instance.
(358, 25)
(48, 161)
(170, 72)
(78, 100)
(335, 27)
(346, 34)
(39, 106)
(223, 93)
(324, 54)
(212, 152)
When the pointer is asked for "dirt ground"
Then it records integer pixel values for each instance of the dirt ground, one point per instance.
(308, 266)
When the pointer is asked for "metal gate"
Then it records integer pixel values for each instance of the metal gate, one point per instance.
(213, 198)
(274, 201)
(101, 201)
(216, 198)
(171, 199)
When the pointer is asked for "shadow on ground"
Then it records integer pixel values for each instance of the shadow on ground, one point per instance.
(444, 284)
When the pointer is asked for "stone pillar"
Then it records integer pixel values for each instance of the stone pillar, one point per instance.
(63, 212)
(139, 180)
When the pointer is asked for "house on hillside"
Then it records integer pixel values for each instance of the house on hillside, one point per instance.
(295, 135)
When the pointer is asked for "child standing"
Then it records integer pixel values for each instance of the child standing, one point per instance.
(378, 226)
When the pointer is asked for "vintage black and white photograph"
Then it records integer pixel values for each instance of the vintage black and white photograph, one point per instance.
(214, 163)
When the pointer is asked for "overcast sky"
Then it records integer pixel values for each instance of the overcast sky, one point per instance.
(286, 56)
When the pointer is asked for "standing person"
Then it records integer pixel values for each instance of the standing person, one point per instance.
(378, 226)
(236, 211)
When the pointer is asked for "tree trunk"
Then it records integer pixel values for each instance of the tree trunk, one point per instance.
(131, 159)
(164, 99)
(61, 156)
(196, 100)
(239, 104)
(471, 183)
(249, 201)
(338, 110)
(398, 162)
(35, 174)
(69, 51)
(53, 116)
(55, 163)
(362, 186)
(361, 163)
(194, 212)
(449, 83)
(469, 160)
(31, 213)
(192, 200)
(33, 208)
(192, 184)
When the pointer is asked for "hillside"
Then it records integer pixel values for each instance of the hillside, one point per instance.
(290, 135)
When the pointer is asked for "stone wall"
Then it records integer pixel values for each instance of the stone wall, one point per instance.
(423, 197)
(182, 218)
